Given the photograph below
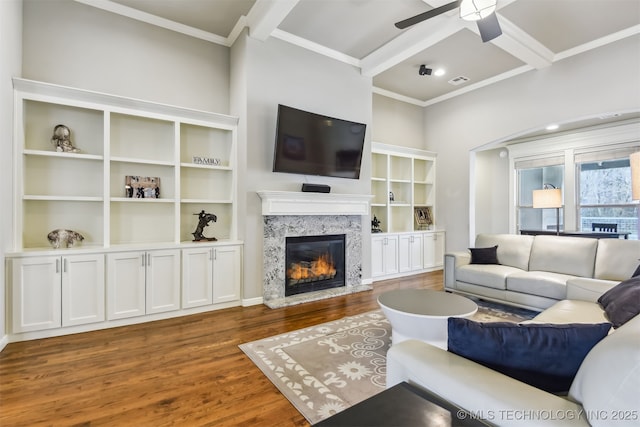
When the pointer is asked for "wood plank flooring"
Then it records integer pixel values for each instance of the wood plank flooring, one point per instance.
(186, 371)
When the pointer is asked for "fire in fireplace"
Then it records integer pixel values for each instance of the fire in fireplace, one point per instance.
(314, 263)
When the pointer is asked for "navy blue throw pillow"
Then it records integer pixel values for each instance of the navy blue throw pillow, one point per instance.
(622, 302)
(484, 255)
(546, 356)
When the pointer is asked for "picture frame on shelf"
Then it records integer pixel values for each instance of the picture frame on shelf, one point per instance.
(424, 216)
(142, 187)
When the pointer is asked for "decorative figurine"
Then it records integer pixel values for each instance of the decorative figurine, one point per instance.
(375, 225)
(61, 139)
(62, 237)
(392, 198)
(204, 219)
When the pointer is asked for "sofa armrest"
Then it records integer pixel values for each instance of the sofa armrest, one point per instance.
(483, 392)
(585, 289)
(452, 260)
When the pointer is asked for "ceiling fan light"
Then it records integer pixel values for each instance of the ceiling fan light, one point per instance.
(474, 10)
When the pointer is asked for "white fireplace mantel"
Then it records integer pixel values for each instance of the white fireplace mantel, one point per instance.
(301, 203)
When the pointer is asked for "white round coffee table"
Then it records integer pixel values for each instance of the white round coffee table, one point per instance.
(422, 314)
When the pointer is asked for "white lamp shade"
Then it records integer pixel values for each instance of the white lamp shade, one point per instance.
(635, 175)
(550, 198)
(474, 10)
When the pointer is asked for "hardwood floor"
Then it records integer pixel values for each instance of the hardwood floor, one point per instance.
(186, 371)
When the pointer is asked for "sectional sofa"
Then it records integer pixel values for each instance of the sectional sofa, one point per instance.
(533, 271)
(579, 281)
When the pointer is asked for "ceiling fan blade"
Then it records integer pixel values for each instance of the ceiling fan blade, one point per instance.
(426, 15)
(489, 28)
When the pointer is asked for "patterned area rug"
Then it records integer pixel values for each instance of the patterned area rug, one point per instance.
(327, 368)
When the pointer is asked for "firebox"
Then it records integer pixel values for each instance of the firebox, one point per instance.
(314, 263)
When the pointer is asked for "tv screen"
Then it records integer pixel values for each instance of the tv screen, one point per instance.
(313, 144)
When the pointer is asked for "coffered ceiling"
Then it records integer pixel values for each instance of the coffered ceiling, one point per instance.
(536, 34)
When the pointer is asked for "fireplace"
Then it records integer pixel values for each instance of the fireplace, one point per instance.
(299, 214)
(314, 263)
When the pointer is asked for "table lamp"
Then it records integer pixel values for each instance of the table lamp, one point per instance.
(549, 197)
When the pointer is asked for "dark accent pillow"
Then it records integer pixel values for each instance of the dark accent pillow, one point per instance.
(484, 255)
(546, 356)
(622, 302)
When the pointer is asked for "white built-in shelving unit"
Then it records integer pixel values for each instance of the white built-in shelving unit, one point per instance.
(403, 179)
(145, 240)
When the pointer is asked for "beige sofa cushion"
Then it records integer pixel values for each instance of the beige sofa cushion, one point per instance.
(569, 311)
(542, 283)
(489, 275)
(565, 255)
(608, 380)
(616, 259)
(513, 249)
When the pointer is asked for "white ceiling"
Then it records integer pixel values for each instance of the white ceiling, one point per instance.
(536, 33)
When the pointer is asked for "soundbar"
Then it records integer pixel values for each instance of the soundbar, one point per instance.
(315, 188)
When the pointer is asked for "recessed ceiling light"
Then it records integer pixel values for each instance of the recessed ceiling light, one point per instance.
(552, 127)
(439, 72)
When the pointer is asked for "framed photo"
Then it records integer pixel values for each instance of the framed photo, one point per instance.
(142, 187)
(424, 216)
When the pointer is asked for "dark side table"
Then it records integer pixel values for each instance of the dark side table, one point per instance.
(402, 405)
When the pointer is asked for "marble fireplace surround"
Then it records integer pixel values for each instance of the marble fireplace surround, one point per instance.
(288, 214)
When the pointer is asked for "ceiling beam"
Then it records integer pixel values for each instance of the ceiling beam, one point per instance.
(409, 43)
(518, 43)
(265, 16)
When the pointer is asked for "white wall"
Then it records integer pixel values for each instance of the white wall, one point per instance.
(569, 89)
(397, 123)
(491, 195)
(11, 55)
(75, 45)
(281, 73)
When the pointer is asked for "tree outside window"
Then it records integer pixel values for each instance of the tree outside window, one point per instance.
(605, 195)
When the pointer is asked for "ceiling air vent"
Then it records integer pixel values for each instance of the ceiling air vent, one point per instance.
(458, 80)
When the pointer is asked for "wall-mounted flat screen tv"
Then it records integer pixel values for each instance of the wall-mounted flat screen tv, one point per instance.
(313, 144)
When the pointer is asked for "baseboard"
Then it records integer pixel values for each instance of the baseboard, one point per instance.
(247, 302)
(4, 341)
(367, 281)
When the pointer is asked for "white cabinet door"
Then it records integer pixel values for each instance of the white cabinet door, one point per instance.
(227, 273)
(410, 252)
(385, 254)
(162, 281)
(433, 250)
(377, 256)
(391, 254)
(416, 253)
(197, 277)
(438, 248)
(125, 284)
(404, 252)
(35, 289)
(82, 289)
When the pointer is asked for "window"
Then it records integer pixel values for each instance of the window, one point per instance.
(605, 192)
(533, 175)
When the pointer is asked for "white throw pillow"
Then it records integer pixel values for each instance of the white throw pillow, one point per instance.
(608, 381)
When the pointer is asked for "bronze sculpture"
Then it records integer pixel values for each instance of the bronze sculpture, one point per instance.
(204, 219)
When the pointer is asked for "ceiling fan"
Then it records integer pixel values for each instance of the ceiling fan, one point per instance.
(481, 11)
